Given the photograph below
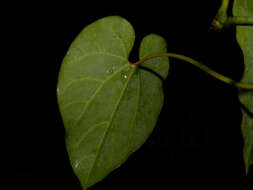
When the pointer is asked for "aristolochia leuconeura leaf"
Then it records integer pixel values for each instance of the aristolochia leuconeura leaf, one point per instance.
(244, 35)
(109, 107)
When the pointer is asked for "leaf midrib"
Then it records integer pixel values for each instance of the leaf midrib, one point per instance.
(110, 123)
(97, 91)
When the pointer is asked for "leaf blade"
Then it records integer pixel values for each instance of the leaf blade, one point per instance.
(154, 44)
(150, 86)
(98, 95)
(244, 36)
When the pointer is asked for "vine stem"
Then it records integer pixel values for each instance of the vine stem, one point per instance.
(222, 20)
(223, 8)
(201, 67)
(240, 20)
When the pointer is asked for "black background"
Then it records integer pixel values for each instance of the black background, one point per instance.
(198, 131)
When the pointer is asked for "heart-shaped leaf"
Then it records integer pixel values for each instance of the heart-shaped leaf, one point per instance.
(244, 36)
(109, 107)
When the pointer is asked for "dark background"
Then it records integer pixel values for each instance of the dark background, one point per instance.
(198, 132)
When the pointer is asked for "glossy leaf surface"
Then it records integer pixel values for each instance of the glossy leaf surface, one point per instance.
(109, 107)
(245, 39)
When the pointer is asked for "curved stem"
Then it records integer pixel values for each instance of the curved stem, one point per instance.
(222, 12)
(224, 6)
(200, 66)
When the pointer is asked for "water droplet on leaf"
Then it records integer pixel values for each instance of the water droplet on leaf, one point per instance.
(76, 164)
(124, 76)
(111, 70)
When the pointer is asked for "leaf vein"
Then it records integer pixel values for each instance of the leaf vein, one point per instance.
(98, 90)
(110, 123)
(88, 131)
(78, 80)
(121, 42)
(135, 114)
(66, 105)
(94, 41)
(97, 53)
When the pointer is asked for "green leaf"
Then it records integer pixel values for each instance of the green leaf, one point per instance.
(109, 107)
(244, 36)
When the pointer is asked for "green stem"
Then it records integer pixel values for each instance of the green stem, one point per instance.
(240, 20)
(200, 66)
(222, 20)
(223, 8)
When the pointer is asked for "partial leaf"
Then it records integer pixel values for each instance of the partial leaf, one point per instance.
(244, 37)
(109, 107)
(153, 44)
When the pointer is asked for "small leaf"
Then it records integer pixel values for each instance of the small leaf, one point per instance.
(109, 107)
(245, 39)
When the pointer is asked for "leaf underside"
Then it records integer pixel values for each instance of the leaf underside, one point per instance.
(109, 107)
(244, 35)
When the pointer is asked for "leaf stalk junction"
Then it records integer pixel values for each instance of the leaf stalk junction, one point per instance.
(222, 20)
